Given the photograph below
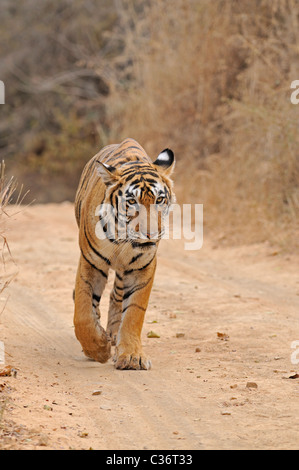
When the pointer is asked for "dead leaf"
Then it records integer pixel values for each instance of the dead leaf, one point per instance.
(222, 336)
(48, 408)
(152, 334)
(6, 371)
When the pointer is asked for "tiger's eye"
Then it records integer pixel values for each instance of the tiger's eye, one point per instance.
(159, 200)
(131, 201)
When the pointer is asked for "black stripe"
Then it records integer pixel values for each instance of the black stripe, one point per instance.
(113, 240)
(94, 250)
(140, 269)
(118, 276)
(143, 174)
(134, 305)
(96, 297)
(118, 288)
(151, 181)
(114, 322)
(149, 191)
(135, 258)
(79, 210)
(125, 150)
(93, 266)
(134, 147)
(140, 245)
(133, 165)
(86, 282)
(115, 299)
(136, 288)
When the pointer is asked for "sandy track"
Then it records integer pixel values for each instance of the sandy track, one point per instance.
(189, 400)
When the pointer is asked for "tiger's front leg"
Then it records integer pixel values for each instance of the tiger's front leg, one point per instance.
(115, 308)
(90, 283)
(137, 289)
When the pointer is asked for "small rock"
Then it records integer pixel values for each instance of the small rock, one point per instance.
(222, 336)
(251, 385)
(180, 335)
(48, 408)
(43, 440)
(295, 376)
(97, 392)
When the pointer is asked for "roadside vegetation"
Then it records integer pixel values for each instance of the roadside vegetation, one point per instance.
(211, 80)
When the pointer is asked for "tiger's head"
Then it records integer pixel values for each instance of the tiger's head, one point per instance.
(137, 198)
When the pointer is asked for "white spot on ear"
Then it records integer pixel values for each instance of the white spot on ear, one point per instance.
(163, 156)
(165, 161)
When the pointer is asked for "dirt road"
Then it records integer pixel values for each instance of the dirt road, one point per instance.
(226, 317)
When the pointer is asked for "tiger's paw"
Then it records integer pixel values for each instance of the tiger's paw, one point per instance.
(112, 334)
(101, 355)
(132, 361)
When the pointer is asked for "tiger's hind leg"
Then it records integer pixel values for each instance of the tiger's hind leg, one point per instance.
(90, 283)
(115, 308)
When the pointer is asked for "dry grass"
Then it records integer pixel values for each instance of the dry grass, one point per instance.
(7, 190)
(212, 81)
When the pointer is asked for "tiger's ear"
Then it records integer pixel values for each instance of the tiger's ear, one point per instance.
(108, 173)
(165, 162)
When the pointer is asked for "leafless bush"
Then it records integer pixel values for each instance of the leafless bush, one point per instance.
(212, 80)
(7, 190)
(209, 79)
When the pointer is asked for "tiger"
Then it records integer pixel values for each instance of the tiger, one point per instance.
(118, 189)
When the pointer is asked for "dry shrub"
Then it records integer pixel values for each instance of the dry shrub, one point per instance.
(51, 162)
(55, 63)
(212, 81)
(7, 189)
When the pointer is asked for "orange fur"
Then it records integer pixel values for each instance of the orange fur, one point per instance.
(111, 176)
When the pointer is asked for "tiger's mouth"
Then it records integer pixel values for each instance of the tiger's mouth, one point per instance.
(145, 236)
(142, 245)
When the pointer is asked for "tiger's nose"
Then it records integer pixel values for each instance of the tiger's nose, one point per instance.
(152, 235)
